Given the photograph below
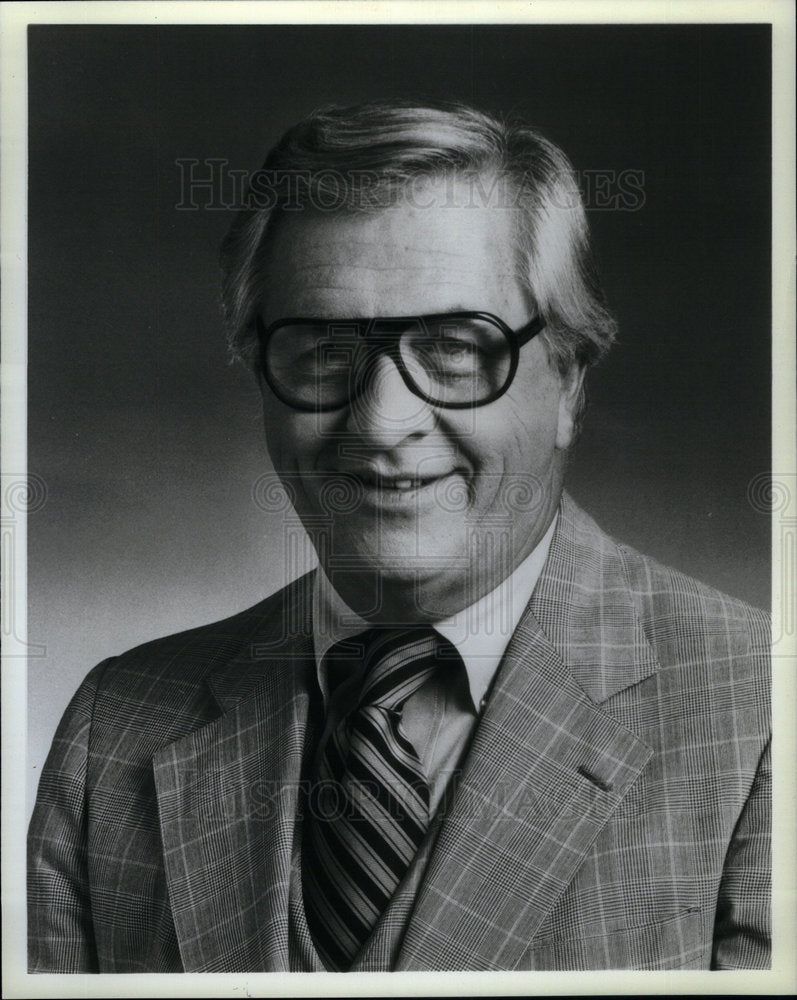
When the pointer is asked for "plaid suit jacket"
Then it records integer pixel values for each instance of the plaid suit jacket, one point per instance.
(612, 812)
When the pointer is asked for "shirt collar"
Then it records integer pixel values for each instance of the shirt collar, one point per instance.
(480, 632)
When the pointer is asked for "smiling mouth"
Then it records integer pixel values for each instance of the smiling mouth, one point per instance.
(398, 484)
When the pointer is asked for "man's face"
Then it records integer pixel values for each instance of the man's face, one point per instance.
(444, 503)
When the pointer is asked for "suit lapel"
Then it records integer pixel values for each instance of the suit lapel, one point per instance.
(227, 803)
(548, 765)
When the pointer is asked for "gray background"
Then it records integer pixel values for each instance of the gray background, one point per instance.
(149, 445)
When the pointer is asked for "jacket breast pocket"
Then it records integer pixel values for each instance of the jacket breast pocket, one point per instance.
(679, 942)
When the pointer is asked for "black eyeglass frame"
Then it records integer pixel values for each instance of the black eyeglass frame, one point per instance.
(390, 346)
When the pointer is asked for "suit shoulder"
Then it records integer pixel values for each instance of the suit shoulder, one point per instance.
(659, 593)
(662, 590)
(185, 658)
(158, 691)
(680, 614)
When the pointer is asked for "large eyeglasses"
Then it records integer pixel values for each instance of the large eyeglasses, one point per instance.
(455, 360)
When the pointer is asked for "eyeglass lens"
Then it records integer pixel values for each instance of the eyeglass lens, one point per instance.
(447, 361)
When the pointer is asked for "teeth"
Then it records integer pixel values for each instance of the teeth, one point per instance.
(402, 484)
(393, 484)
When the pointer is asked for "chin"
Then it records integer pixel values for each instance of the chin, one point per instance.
(403, 564)
(398, 559)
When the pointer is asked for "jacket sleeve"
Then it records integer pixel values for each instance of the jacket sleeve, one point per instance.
(742, 929)
(60, 936)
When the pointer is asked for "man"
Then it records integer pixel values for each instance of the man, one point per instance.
(483, 735)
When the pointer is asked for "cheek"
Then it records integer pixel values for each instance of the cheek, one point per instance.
(518, 434)
(297, 441)
(283, 435)
(536, 433)
(533, 403)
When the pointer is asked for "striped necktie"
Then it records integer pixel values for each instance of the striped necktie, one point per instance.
(369, 805)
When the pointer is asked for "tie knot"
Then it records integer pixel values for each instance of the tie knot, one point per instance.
(397, 662)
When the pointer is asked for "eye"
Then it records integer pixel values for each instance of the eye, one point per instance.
(457, 350)
(452, 355)
(334, 358)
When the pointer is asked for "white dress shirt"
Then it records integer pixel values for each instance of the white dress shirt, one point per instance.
(440, 717)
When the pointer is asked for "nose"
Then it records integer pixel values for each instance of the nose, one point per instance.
(386, 411)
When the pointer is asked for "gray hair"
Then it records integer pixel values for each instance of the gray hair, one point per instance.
(362, 158)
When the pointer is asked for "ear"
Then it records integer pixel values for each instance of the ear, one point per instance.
(569, 398)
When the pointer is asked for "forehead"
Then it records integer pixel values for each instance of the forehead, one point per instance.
(429, 253)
